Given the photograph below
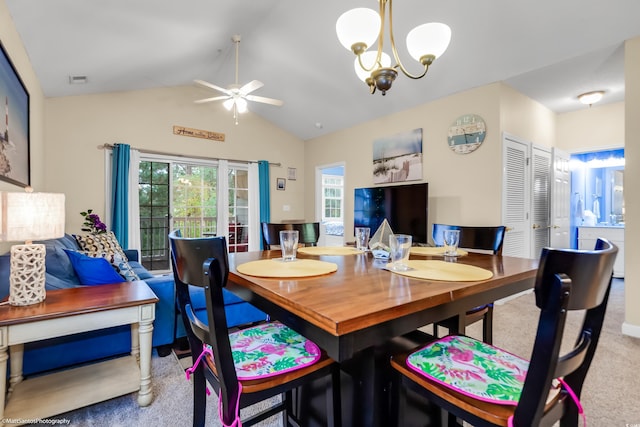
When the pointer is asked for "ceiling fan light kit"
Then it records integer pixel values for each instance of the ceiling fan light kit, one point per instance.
(236, 96)
(358, 29)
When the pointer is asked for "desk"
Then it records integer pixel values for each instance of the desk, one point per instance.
(362, 306)
(70, 311)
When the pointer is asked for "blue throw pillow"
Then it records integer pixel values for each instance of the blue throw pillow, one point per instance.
(93, 271)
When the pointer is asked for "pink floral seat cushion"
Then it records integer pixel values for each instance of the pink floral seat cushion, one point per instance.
(473, 368)
(270, 349)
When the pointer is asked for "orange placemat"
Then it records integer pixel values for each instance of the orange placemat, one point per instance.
(442, 270)
(279, 269)
(434, 251)
(329, 250)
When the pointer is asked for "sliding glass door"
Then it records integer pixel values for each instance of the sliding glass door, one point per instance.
(176, 194)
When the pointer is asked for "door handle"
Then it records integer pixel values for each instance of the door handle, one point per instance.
(535, 226)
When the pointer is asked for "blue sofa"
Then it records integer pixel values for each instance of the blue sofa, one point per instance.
(62, 352)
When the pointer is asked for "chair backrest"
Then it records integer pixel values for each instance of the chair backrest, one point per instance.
(471, 237)
(309, 233)
(204, 262)
(566, 280)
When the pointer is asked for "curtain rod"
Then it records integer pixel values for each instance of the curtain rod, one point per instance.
(110, 147)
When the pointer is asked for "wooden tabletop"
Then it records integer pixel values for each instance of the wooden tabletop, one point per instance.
(361, 294)
(79, 300)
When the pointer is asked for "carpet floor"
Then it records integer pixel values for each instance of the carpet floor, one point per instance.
(610, 396)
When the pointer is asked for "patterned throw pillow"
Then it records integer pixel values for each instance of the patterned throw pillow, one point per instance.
(106, 245)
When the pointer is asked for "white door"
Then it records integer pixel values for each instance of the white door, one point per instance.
(560, 200)
(540, 199)
(515, 196)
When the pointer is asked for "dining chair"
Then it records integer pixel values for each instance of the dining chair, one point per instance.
(308, 233)
(248, 365)
(484, 238)
(486, 386)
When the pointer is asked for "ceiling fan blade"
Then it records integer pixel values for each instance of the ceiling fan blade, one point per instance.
(264, 100)
(215, 98)
(212, 86)
(250, 87)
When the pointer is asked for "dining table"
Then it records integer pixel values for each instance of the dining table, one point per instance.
(359, 304)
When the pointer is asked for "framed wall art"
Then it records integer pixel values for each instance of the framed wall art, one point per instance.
(14, 129)
(398, 158)
(280, 183)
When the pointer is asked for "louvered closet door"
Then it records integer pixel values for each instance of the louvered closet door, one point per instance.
(515, 197)
(541, 200)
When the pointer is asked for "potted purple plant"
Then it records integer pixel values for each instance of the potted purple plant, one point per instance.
(92, 223)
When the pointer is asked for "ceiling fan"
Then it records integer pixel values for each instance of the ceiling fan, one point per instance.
(236, 96)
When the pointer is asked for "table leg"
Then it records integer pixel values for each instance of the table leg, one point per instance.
(17, 353)
(3, 369)
(145, 395)
(135, 341)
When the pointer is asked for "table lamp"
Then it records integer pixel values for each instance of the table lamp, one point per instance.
(27, 217)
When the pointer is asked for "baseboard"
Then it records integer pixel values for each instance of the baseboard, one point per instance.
(631, 330)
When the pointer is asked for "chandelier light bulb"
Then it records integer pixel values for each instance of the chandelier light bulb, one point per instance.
(358, 26)
(368, 60)
(428, 39)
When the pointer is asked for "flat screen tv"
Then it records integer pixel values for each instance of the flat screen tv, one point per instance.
(404, 206)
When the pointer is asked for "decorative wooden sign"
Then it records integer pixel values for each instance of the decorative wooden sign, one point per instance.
(198, 133)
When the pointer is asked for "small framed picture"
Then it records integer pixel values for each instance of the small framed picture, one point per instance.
(281, 183)
(292, 173)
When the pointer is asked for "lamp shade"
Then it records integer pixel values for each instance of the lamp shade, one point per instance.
(368, 60)
(359, 25)
(31, 216)
(428, 39)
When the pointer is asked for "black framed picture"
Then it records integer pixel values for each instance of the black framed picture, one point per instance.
(14, 129)
(280, 183)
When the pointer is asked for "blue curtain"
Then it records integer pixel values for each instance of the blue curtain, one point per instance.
(120, 193)
(265, 197)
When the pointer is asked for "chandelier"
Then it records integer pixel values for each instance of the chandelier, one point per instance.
(359, 28)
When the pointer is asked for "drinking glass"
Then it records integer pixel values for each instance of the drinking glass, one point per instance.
(289, 244)
(400, 245)
(362, 238)
(451, 239)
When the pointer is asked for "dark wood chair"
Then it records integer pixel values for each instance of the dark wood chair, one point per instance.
(566, 280)
(308, 233)
(488, 239)
(203, 262)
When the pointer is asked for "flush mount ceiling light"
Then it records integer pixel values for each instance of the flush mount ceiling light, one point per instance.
(359, 28)
(591, 97)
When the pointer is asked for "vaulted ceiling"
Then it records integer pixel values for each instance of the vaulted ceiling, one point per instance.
(549, 50)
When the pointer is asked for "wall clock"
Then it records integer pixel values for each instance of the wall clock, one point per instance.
(466, 133)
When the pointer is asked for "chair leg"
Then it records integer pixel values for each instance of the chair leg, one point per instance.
(487, 326)
(199, 397)
(334, 403)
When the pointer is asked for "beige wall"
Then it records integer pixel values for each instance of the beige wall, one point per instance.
(463, 188)
(526, 119)
(76, 126)
(632, 175)
(592, 128)
(15, 50)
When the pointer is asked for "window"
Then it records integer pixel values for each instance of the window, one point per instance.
(332, 200)
(179, 194)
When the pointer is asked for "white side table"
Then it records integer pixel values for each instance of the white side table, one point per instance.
(71, 311)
